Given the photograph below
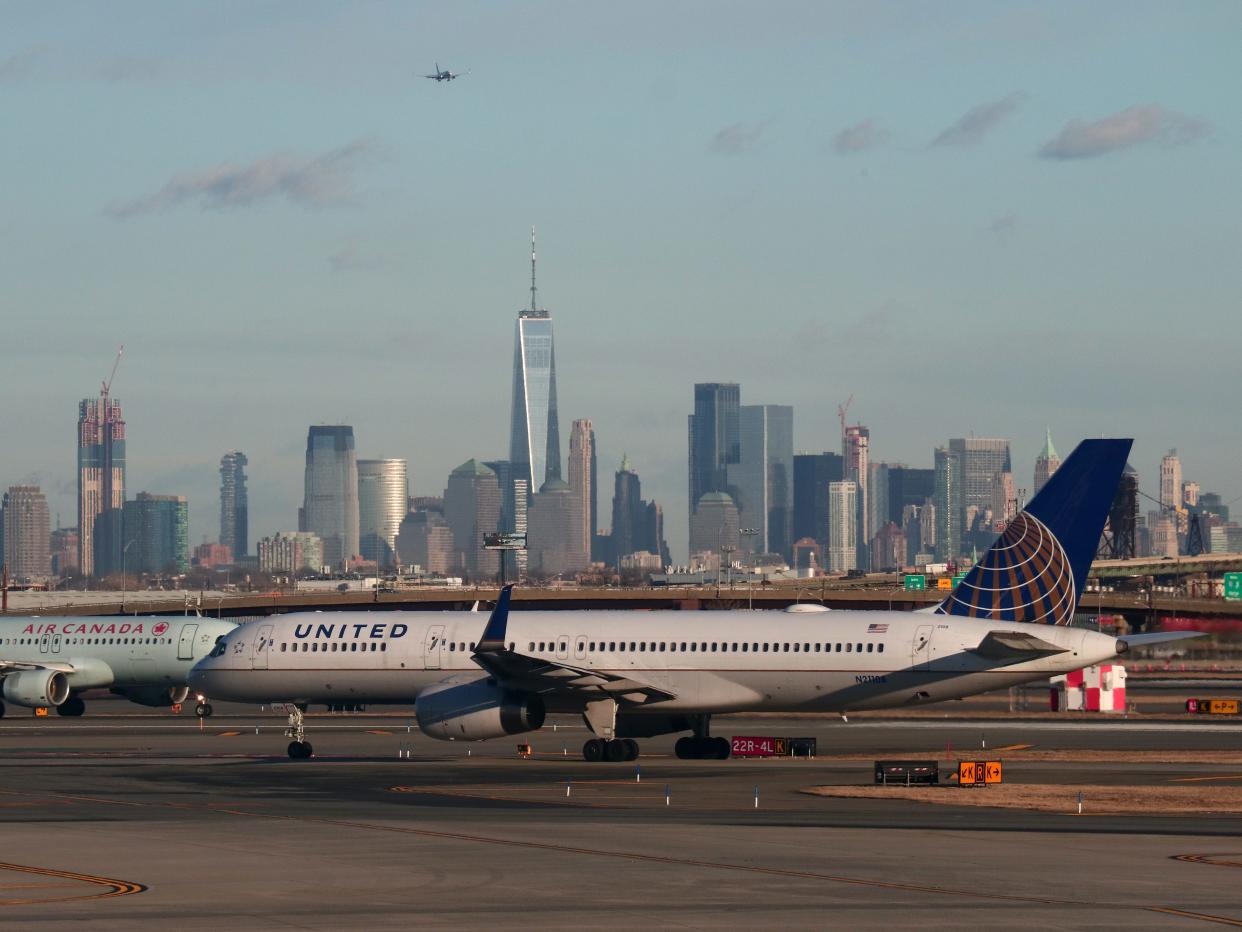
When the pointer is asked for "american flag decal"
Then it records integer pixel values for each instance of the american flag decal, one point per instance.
(877, 629)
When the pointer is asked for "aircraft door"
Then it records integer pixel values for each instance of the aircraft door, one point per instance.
(262, 645)
(920, 650)
(55, 643)
(562, 647)
(185, 644)
(580, 644)
(44, 643)
(433, 647)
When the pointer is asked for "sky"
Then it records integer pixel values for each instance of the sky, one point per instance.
(981, 218)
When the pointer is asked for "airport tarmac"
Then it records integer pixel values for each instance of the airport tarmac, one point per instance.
(141, 819)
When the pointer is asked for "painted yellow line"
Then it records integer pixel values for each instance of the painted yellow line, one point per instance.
(1221, 776)
(228, 734)
(113, 887)
(377, 731)
(1008, 747)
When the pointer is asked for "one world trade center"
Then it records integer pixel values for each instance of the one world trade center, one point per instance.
(534, 433)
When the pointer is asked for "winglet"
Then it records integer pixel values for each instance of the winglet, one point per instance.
(497, 623)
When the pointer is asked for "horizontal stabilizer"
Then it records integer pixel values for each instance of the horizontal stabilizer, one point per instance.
(1010, 645)
(1126, 641)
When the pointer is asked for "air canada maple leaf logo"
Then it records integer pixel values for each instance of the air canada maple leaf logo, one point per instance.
(160, 629)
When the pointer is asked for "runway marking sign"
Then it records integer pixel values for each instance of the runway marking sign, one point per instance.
(979, 772)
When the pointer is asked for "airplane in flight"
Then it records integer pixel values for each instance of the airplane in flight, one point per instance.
(641, 674)
(47, 662)
(444, 75)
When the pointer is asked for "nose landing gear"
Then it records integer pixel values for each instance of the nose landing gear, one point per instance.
(299, 747)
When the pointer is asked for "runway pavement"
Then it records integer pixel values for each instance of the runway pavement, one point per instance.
(144, 821)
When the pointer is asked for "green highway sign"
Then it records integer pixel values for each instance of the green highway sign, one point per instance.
(957, 579)
(1233, 586)
(918, 583)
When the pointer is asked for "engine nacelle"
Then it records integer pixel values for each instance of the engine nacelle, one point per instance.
(472, 708)
(35, 688)
(156, 697)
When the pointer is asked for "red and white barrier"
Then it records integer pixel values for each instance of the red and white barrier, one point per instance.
(1092, 689)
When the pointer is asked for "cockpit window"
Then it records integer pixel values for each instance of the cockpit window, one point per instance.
(218, 650)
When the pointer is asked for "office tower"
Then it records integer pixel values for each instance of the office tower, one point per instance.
(426, 541)
(1171, 482)
(209, 556)
(101, 482)
(628, 513)
(330, 506)
(888, 548)
(594, 499)
(761, 481)
(64, 551)
(383, 499)
(555, 546)
(514, 498)
(1163, 534)
(812, 474)
(714, 527)
(856, 451)
(27, 533)
(908, 486)
(842, 526)
(1004, 504)
(654, 533)
(877, 498)
(234, 508)
(714, 438)
(981, 459)
(581, 466)
(534, 429)
(1190, 495)
(290, 552)
(948, 504)
(1046, 463)
(472, 509)
(157, 534)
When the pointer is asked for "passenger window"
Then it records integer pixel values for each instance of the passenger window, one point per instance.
(692, 646)
(848, 647)
(869, 647)
(817, 647)
(591, 647)
(838, 648)
(315, 648)
(671, 647)
(786, 647)
(683, 645)
(532, 646)
(631, 645)
(860, 648)
(353, 648)
(795, 648)
(642, 645)
(612, 646)
(384, 646)
(713, 647)
(452, 646)
(765, 647)
(881, 647)
(662, 646)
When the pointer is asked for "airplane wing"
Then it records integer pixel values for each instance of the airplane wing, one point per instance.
(17, 666)
(1015, 645)
(538, 674)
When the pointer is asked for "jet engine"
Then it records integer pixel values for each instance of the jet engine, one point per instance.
(35, 688)
(471, 708)
(156, 697)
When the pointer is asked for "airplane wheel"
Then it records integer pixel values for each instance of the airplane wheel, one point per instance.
(684, 748)
(615, 751)
(631, 748)
(203, 710)
(71, 707)
(300, 750)
(593, 751)
(722, 748)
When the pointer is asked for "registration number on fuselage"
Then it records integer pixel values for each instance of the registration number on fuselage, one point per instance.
(870, 678)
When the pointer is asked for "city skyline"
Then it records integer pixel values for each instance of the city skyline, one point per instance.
(799, 230)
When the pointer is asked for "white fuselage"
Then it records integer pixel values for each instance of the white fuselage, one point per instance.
(112, 652)
(708, 661)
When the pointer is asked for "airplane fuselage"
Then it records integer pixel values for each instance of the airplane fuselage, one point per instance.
(707, 661)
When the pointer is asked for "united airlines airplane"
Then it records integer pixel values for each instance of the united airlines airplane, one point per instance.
(640, 674)
(48, 662)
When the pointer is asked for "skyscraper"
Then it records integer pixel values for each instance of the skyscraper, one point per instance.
(383, 499)
(101, 482)
(812, 474)
(714, 527)
(472, 509)
(581, 482)
(534, 429)
(842, 526)
(628, 512)
(27, 533)
(908, 486)
(981, 459)
(714, 438)
(948, 504)
(1046, 463)
(330, 506)
(555, 546)
(234, 508)
(761, 482)
(157, 534)
(1171, 482)
(856, 452)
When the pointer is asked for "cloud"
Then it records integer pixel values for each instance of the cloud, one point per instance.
(1129, 127)
(19, 64)
(860, 136)
(321, 181)
(1005, 224)
(737, 138)
(978, 121)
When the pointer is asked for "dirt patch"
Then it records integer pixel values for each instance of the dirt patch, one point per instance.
(1097, 800)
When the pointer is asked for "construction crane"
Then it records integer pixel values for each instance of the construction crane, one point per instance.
(841, 412)
(105, 388)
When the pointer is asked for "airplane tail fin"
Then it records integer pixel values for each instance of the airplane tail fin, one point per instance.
(1037, 568)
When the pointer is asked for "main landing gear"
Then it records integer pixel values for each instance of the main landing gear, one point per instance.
(616, 750)
(299, 747)
(71, 707)
(702, 746)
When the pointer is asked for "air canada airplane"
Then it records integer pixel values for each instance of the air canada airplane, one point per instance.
(47, 661)
(640, 674)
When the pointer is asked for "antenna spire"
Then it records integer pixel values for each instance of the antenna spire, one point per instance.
(533, 306)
